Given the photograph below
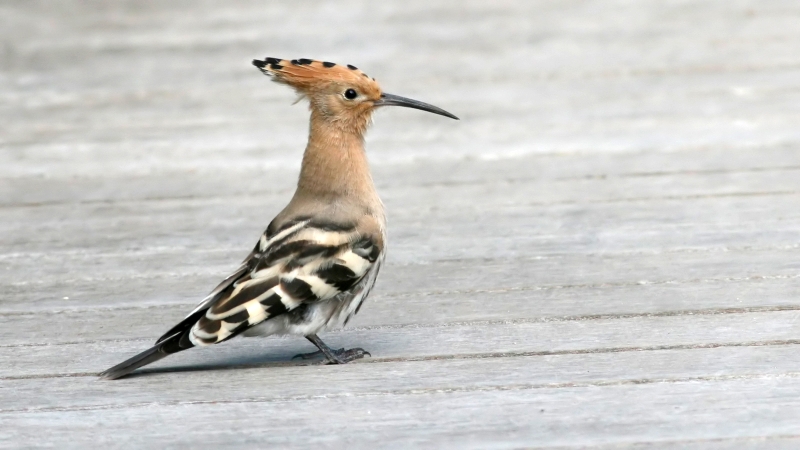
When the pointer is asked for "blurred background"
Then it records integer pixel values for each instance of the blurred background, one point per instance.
(625, 175)
(113, 87)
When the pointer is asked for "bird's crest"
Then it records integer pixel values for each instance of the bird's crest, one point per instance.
(308, 75)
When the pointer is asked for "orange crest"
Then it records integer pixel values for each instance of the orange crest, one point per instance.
(309, 76)
(339, 95)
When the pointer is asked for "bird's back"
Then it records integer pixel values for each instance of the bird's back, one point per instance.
(304, 275)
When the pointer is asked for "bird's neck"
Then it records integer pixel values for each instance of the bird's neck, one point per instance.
(335, 163)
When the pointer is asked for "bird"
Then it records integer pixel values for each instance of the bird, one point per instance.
(317, 261)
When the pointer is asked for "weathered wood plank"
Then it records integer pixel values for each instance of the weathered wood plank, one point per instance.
(98, 175)
(643, 223)
(125, 322)
(735, 408)
(303, 382)
(420, 180)
(139, 282)
(421, 341)
(203, 219)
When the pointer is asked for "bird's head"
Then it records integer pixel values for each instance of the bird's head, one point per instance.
(344, 96)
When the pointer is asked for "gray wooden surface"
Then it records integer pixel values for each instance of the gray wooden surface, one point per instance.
(602, 253)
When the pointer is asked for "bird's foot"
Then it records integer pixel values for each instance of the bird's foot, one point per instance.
(332, 356)
(340, 356)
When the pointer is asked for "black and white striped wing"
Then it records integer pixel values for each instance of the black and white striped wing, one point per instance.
(299, 264)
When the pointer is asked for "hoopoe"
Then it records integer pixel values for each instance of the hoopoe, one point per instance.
(317, 261)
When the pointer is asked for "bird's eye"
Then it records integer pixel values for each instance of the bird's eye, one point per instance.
(350, 94)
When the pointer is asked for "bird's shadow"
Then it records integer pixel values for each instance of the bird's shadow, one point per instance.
(275, 360)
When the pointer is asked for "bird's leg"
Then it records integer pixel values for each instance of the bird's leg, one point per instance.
(332, 356)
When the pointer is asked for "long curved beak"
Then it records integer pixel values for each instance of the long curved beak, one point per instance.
(396, 100)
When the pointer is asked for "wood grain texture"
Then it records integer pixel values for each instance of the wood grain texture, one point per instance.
(601, 254)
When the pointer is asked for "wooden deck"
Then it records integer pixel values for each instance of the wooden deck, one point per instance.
(602, 253)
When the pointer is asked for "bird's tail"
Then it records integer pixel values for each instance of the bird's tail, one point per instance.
(173, 344)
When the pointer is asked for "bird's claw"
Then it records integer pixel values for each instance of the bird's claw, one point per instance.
(340, 356)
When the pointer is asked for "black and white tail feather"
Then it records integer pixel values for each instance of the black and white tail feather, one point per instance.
(304, 277)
